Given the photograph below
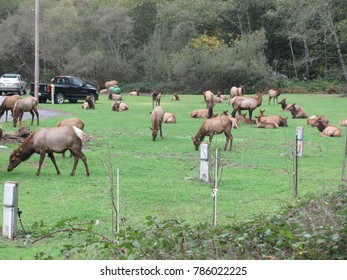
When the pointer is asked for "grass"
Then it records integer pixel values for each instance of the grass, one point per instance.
(159, 178)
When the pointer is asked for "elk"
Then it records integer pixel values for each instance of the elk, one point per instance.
(8, 104)
(262, 124)
(108, 84)
(175, 97)
(285, 106)
(246, 120)
(136, 92)
(156, 96)
(113, 96)
(169, 118)
(273, 119)
(48, 141)
(214, 126)
(25, 105)
(209, 98)
(71, 122)
(343, 122)
(202, 113)
(222, 97)
(273, 94)
(297, 114)
(119, 106)
(313, 118)
(157, 116)
(89, 103)
(326, 130)
(246, 103)
(236, 91)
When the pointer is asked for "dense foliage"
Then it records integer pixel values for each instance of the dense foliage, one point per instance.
(311, 229)
(177, 45)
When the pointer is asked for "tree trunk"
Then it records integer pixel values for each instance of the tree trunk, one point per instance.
(293, 56)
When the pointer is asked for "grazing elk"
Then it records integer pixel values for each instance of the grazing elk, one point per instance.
(326, 130)
(156, 96)
(71, 122)
(169, 118)
(157, 120)
(262, 124)
(273, 94)
(25, 105)
(48, 141)
(214, 126)
(246, 103)
(297, 114)
(8, 104)
(120, 106)
(89, 103)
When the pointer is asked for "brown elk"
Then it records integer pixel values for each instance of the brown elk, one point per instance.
(214, 126)
(25, 105)
(343, 122)
(246, 103)
(285, 106)
(297, 114)
(113, 96)
(8, 104)
(273, 94)
(120, 106)
(209, 98)
(246, 120)
(313, 118)
(236, 91)
(89, 103)
(136, 92)
(157, 120)
(169, 118)
(71, 122)
(202, 113)
(156, 96)
(108, 84)
(273, 119)
(48, 141)
(262, 124)
(175, 97)
(326, 130)
(222, 97)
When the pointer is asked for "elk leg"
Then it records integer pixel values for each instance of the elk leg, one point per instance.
(37, 116)
(161, 132)
(32, 116)
(51, 156)
(42, 157)
(79, 155)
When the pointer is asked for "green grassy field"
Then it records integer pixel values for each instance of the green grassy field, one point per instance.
(160, 178)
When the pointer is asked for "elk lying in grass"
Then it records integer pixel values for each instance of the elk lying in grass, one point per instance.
(71, 122)
(48, 141)
(247, 120)
(313, 118)
(273, 94)
(157, 120)
(169, 118)
(89, 103)
(246, 103)
(25, 105)
(326, 130)
(280, 121)
(285, 106)
(343, 122)
(262, 124)
(297, 114)
(202, 113)
(136, 92)
(113, 96)
(156, 96)
(119, 106)
(175, 97)
(8, 104)
(222, 97)
(214, 126)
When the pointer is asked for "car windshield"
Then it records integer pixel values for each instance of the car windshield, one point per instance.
(10, 76)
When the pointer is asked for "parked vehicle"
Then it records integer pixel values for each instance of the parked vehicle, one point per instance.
(12, 83)
(65, 88)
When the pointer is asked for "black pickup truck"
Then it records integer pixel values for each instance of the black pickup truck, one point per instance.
(65, 87)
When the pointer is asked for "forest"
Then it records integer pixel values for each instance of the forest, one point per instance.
(181, 46)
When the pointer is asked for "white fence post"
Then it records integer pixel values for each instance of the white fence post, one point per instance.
(9, 225)
(205, 162)
(300, 141)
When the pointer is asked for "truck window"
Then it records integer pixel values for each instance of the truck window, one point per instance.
(77, 82)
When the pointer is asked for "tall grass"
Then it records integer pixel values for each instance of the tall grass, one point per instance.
(160, 178)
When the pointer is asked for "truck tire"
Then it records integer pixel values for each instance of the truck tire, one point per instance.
(59, 98)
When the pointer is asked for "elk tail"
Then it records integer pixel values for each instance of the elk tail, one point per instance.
(79, 132)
